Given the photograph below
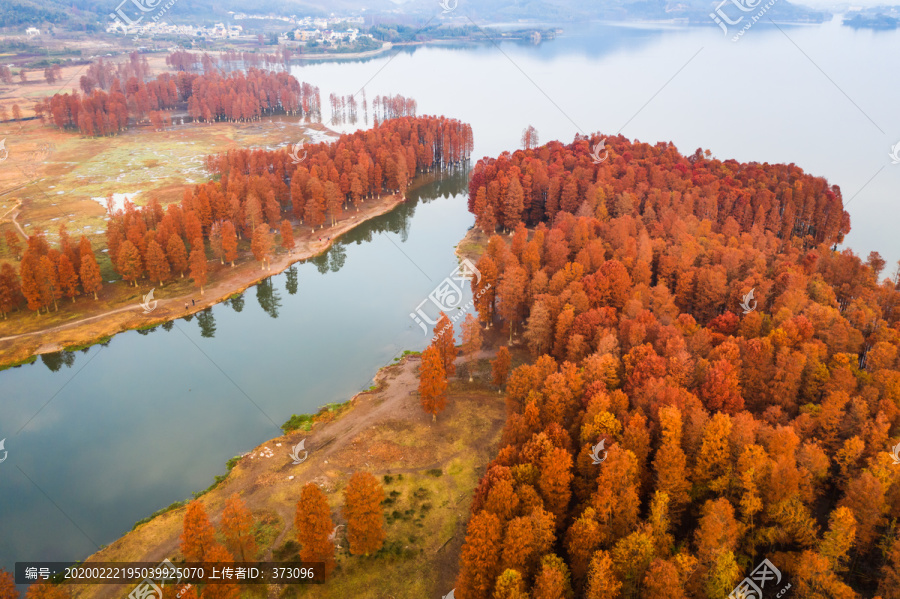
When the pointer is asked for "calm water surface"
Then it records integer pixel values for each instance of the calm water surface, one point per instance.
(127, 428)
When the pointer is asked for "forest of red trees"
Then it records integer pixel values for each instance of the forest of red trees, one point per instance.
(345, 109)
(256, 190)
(209, 97)
(730, 435)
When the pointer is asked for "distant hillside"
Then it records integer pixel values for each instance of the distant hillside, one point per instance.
(572, 10)
(14, 13)
(872, 20)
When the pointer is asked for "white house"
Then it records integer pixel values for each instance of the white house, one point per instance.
(32, 32)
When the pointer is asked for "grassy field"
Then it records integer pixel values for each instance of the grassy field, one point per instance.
(61, 188)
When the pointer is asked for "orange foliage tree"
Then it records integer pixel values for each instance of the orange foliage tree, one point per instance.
(480, 559)
(500, 366)
(198, 266)
(362, 509)
(8, 586)
(432, 383)
(471, 342)
(314, 525)
(445, 344)
(237, 528)
(198, 537)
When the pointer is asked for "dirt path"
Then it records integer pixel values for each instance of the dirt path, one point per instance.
(385, 431)
(12, 218)
(69, 325)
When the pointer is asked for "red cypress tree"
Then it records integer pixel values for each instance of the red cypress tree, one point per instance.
(10, 290)
(197, 535)
(49, 283)
(13, 245)
(314, 526)
(471, 342)
(552, 582)
(333, 201)
(555, 482)
(157, 265)
(237, 528)
(221, 590)
(68, 278)
(215, 242)
(314, 210)
(198, 264)
(177, 254)
(287, 236)
(480, 557)
(229, 242)
(721, 389)
(500, 366)
(8, 586)
(91, 281)
(432, 383)
(445, 344)
(128, 262)
(262, 244)
(362, 509)
(193, 229)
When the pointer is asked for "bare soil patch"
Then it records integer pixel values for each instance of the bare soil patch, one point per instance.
(429, 470)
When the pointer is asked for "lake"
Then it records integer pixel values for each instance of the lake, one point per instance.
(113, 433)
